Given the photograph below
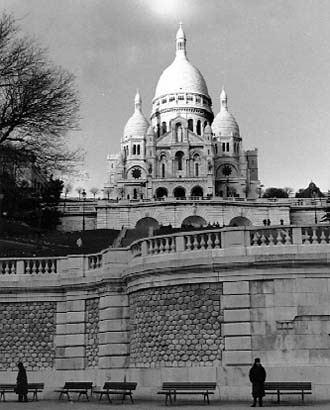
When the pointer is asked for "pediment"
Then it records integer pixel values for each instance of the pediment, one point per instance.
(168, 138)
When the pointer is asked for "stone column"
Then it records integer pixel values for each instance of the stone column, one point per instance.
(70, 335)
(237, 325)
(113, 330)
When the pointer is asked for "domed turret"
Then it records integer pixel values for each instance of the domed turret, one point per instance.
(224, 123)
(137, 125)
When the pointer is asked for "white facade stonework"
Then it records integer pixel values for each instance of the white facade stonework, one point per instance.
(183, 151)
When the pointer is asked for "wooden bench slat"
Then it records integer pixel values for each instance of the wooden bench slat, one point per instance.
(288, 388)
(175, 388)
(34, 388)
(120, 388)
(75, 387)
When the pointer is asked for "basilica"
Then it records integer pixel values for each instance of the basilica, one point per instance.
(183, 150)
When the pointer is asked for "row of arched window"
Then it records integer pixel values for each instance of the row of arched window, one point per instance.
(179, 164)
(199, 125)
(136, 150)
(225, 147)
(179, 192)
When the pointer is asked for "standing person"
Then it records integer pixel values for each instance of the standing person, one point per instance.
(257, 377)
(21, 383)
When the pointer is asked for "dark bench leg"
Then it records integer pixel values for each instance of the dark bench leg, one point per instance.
(168, 395)
(85, 393)
(61, 394)
(278, 396)
(2, 395)
(302, 395)
(35, 396)
(206, 398)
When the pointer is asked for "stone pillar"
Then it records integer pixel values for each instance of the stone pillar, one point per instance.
(237, 325)
(70, 335)
(113, 330)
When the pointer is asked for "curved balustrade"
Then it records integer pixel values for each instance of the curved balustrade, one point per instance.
(229, 237)
(316, 235)
(203, 240)
(8, 267)
(271, 237)
(95, 261)
(251, 240)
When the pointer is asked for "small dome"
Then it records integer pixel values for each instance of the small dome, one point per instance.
(137, 125)
(224, 124)
(181, 75)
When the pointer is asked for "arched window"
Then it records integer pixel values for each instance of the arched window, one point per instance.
(227, 146)
(134, 149)
(216, 148)
(157, 131)
(223, 147)
(164, 129)
(196, 169)
(179, 132)
(163, 170)
(198, 127)
(190, 125)
(179, 160)
(135, 193)
(138, 149)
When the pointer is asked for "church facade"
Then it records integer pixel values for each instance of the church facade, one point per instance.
(184, 150)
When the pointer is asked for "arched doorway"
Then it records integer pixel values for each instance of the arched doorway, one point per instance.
(240, 221)
(179, 192)
(161, 192)
(146, 223)
(194, 221)
(197, 191)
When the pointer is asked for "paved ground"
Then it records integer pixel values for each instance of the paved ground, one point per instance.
(155, 405)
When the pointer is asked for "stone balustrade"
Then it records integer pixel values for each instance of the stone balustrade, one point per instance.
(206, 240)
(232, 237)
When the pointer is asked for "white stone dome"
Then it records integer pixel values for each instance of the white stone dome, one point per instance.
(181, 75)
(137, 125)
(224, 123)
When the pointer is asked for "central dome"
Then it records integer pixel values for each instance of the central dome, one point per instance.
(181, 75)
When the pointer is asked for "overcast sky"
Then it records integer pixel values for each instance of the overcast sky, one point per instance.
(272, 57)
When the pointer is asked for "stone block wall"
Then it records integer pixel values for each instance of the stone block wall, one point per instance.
(27, 331)
(290, 321)
(176, 326)
(92, 332)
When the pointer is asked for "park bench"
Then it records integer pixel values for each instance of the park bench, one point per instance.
(288, 388)
(75, 387)
(122, 388)
(34, 388)
(172, 389)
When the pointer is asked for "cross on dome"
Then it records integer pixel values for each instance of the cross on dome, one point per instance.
(180, 41)
(138, 100)
(223, 100)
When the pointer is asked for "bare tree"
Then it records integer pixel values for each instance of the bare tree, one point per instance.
(38, 101)
(94, 191)
(79, 189)
(67, 189)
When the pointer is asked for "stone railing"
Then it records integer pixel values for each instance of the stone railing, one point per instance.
(30, 266)
(232, 237)
(229, 241)
(51, 267)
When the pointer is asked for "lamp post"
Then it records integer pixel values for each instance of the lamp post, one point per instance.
(83, 213)
(315, 214)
